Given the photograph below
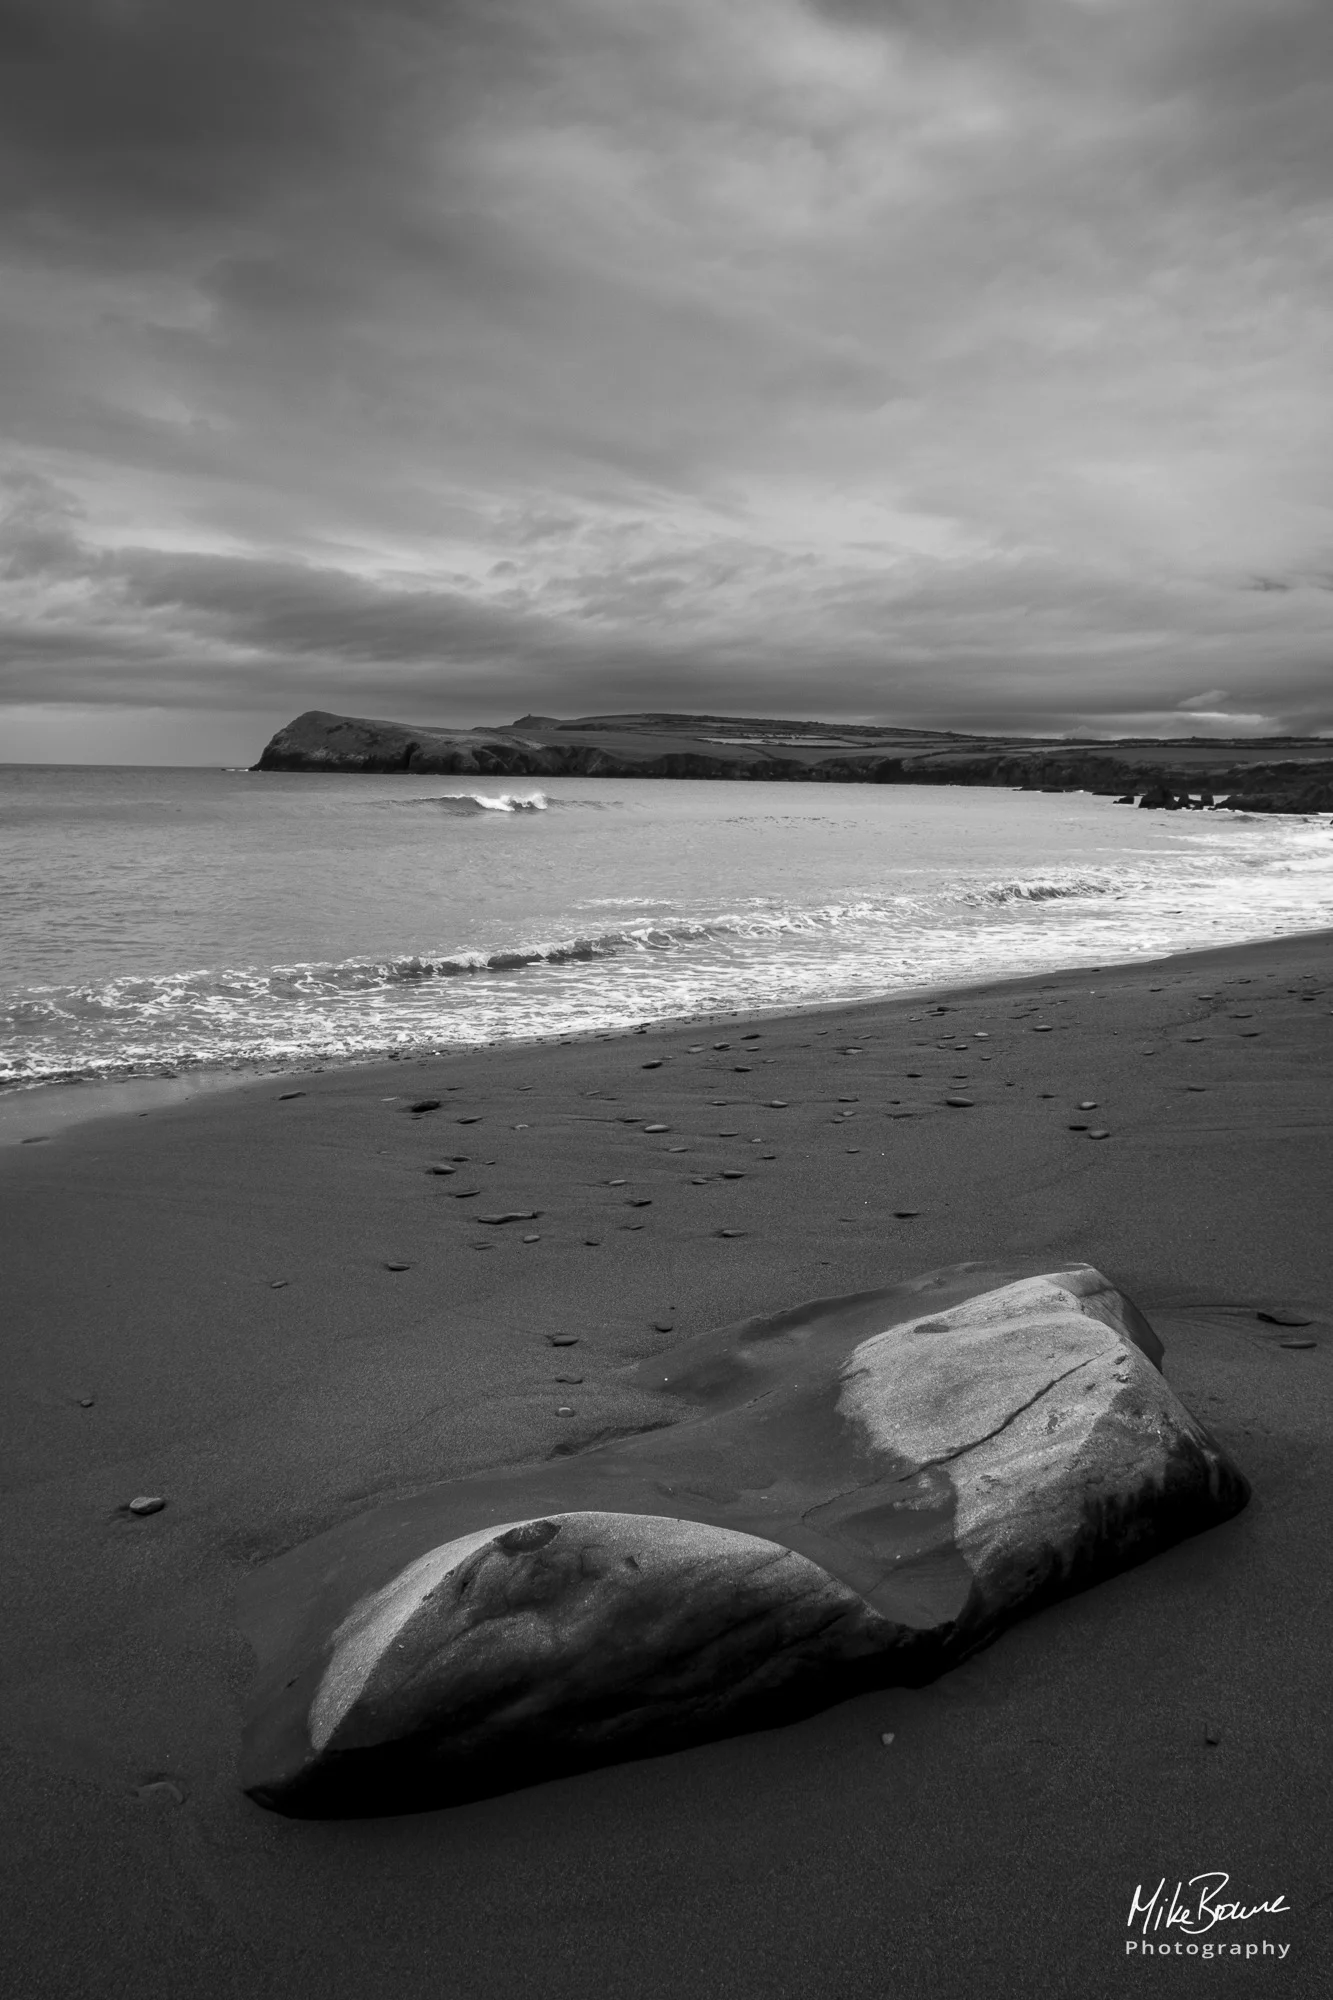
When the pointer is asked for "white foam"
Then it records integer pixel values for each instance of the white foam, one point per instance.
(569, 933)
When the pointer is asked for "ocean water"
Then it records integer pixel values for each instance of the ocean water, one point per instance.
(155, 920)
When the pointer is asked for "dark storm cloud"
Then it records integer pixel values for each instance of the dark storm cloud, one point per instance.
(951, 361)
(143, 112)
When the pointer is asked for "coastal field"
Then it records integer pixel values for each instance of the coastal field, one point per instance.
(263, 1308)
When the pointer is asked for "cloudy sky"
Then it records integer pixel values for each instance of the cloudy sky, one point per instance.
(939, 361)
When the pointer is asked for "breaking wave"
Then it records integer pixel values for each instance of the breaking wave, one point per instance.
(471, 805)
(547, 943)
(205, 990)
(1049, 890)
(204, 1004)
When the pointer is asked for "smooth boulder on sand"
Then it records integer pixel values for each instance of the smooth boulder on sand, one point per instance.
(857, 1493)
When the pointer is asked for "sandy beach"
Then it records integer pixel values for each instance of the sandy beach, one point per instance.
(261, 1305)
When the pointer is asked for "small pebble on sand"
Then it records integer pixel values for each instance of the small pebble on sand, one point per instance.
(664, 1326)
(397, 1267)
(146, 1503)
(731, 1232)
(425, 1104)
(286, 1094)
(1099, 1133)
(563, 1339)
(1282, 1316)
(657, 1128)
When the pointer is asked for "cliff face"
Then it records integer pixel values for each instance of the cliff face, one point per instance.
(318, 741)
(1163, 774)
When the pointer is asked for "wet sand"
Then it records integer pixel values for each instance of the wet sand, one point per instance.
(201, 1305)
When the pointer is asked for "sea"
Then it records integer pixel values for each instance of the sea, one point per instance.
(157, 921)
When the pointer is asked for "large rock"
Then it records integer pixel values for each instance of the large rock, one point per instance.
(862, 1494)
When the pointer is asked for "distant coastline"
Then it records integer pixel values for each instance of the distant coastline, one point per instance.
(1270, 774)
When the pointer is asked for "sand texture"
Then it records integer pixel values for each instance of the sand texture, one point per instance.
(287, 1318)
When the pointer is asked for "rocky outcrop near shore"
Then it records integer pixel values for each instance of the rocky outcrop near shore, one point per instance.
(318, 741)
(860, 1492)
(1167, 775)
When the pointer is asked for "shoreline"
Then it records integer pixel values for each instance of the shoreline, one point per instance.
(267, 1307)
(27, 1107)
